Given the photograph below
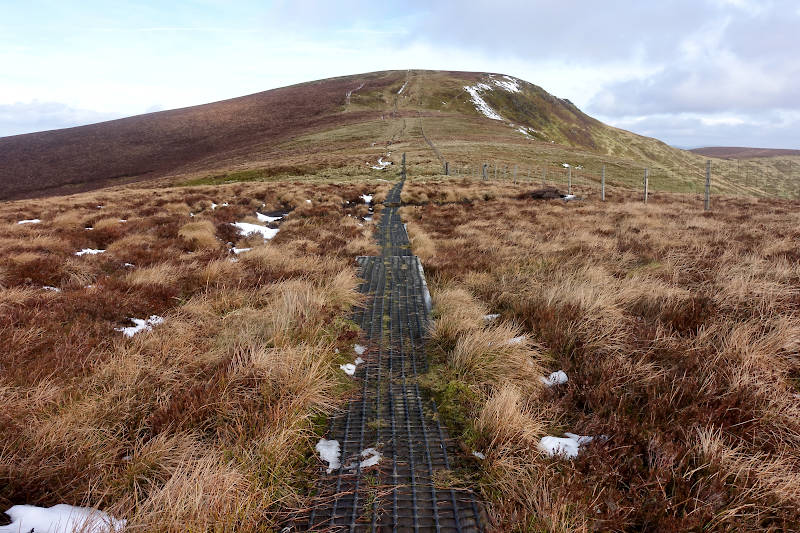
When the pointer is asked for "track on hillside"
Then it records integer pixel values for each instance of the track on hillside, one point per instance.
(403, 492)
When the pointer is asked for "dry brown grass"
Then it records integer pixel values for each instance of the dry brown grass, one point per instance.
(207, 422)
(679, 333)
(201, 235)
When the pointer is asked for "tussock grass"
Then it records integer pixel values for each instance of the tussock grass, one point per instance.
(200, 235)
(456, 312)
(207, 422)
(679, 334)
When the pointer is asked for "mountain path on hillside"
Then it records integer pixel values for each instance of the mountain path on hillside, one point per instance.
(392, 416)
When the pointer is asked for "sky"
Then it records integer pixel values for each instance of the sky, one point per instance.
(691, 73)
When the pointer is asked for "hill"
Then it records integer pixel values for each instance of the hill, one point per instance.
(340, 127)
(743, 152)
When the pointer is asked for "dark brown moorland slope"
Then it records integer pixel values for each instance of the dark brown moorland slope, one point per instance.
(743, 152)
(148, 146)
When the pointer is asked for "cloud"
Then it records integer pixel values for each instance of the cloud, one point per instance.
(778, 129)
(19, 118)
(623, 60)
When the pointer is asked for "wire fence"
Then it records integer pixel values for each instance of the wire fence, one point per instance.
(718, 178)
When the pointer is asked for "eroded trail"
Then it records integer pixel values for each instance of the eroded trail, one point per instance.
(407, 489)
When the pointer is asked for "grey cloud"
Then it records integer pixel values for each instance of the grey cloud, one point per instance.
(771, 130)
(19, 118)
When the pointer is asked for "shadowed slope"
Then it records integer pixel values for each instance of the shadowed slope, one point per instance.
(151, 145)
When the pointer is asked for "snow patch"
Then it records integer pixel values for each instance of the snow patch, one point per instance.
(479, 455)
(90, 251)
(556, 378)
(349, 368)
(367, 198)
(359, 349)
(141, 325)
(509, 84)
(266, 218)
(402, 88)
(329, 452)
(381, 164)
(491, 317)
(245, 229)
(371, 458)
(516, 340)
(129, 265)
(238, 251)
(61, 518)
(29, 221)
(480, 104)
(566, 447)
(49, 288)
(565, 165)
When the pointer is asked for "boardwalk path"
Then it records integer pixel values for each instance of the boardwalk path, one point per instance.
(406, 491)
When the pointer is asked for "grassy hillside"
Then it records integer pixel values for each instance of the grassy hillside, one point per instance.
(339, 127)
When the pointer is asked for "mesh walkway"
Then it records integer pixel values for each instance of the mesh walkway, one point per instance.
(401, 493)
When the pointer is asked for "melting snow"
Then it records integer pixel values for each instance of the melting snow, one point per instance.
(129, 265)
(141, 325)
(29, 221)
(509, 84)
(567, 446)
(245, 229)
(479, 455)
(359, 349)
(403, 87)
(308, 201)
(556, 378)
(89, 251)
(516, 340)
(329, 452)
(565, 165)
(350, 368)
(480, 103)
(371, 458)
(381, 164)
(367, 198)
(49, 288)
(61, 518)
(491, 317)
(240, 250)
(266, 218)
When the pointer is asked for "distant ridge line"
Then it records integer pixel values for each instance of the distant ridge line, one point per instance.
(743, 152)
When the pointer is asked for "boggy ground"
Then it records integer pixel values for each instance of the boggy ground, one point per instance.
(206, 422)
(679, 331)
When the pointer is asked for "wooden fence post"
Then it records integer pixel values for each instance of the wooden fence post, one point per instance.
(486, 172)
(707, 205)
(446, 168)
(404, 166)
(603, 184)
(646, 183)
(569, 179)
(515, 174)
